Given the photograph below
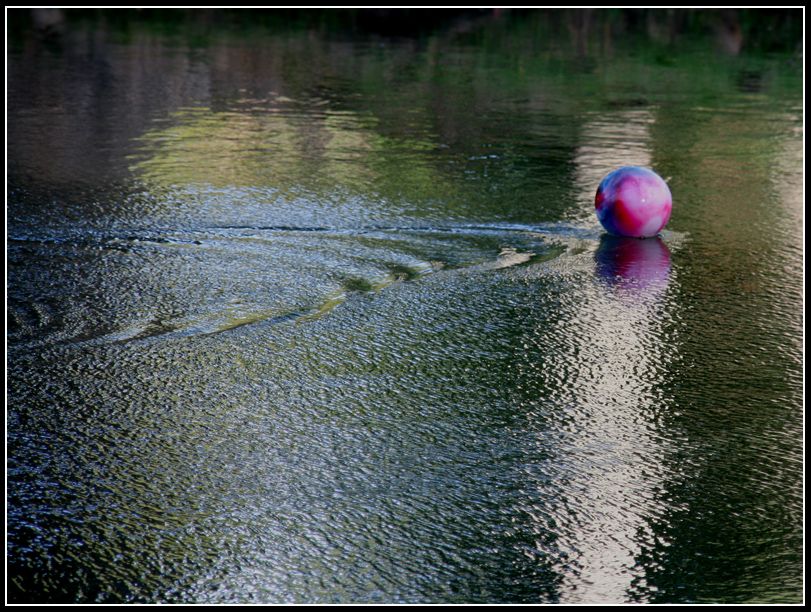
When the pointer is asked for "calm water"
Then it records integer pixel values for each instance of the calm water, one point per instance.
(295, 316)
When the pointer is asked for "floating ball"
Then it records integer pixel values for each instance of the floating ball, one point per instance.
(633, 202)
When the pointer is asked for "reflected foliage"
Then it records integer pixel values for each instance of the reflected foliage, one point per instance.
(313, 307)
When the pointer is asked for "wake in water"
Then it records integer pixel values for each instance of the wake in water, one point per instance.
(151, 284)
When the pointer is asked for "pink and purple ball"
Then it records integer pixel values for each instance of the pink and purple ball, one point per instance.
(634, 202)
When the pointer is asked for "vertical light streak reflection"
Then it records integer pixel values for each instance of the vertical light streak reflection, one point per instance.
(611, 141)
(606, 356)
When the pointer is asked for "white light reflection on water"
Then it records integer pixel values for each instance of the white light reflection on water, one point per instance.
(611, 141)
(610, 348)
(162, 191)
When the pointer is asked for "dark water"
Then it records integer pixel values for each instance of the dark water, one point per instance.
(297, 316)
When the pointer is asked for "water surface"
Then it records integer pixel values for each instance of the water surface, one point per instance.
(297, 316)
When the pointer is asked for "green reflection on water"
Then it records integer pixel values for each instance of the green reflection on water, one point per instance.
(470, 128)
(517, 425)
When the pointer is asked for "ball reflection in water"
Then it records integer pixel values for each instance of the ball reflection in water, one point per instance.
(641, 262)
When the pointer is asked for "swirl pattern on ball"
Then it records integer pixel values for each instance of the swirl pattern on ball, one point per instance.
(633, 201)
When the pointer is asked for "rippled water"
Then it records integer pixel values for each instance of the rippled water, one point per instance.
(298, 317)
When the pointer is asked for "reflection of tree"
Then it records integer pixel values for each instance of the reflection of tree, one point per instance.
(420, 120)
(735, 375)
(267, 144)
(494, 121)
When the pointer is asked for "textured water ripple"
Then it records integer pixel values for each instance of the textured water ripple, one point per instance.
(297, 318)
